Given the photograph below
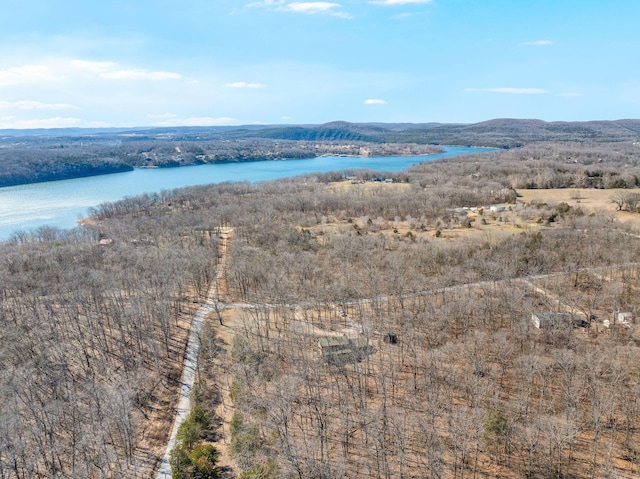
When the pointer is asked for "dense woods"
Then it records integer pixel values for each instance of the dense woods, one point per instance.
(471, 389)
(91, 339)
(94, 324)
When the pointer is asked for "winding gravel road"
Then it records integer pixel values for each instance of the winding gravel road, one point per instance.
(191, 355)
(188, 378)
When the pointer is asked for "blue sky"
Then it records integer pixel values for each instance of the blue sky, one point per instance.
(79, 63)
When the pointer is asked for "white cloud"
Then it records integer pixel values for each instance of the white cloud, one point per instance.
(310, 8)
(266, 3)
(398, 2)
(197, 121)
(375, 101)
(28, 74)
(34, 105)
(569, 94)
(140, 74)
(244, 84)
(110, 71)
(518, 91)
(69, 70)
(57, 122)
(162, 115)
(538, 43)
(92, 67)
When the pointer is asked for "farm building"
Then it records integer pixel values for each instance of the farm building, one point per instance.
(391, 338)
(553, 320)
(341, 349)
(624, 318)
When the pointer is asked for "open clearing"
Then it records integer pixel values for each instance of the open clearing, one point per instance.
(590, 200)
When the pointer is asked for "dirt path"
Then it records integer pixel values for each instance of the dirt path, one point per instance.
(188, 378)
(191, 355)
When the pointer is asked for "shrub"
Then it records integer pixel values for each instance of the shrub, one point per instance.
(261, 471)
(189, 458)
(495, 430)
(204, 458)
(245, 439)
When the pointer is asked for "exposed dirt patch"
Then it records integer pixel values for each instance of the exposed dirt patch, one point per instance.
(224, 411)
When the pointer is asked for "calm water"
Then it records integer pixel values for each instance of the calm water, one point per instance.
(62, 203)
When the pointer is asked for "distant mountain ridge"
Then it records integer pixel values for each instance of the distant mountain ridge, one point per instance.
(501, 132)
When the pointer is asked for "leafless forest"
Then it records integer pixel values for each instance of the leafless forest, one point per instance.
(94, 325)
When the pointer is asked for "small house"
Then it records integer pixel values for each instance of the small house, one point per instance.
(341, 349)
(391, 338)
(333, 344)
(554, 320)
(624, 318)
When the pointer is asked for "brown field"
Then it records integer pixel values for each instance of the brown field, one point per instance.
(511, 221)
(590, 200)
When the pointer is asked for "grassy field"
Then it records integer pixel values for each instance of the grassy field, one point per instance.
(590, 200)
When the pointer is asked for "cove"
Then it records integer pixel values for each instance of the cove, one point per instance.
(62, 203)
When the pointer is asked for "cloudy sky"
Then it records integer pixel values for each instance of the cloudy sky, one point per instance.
(223, 62)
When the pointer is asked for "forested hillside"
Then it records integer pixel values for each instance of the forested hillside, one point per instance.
(93, 330)
(499, 133)
(94, 324)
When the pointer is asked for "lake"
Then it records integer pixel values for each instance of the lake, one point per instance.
(62, 203)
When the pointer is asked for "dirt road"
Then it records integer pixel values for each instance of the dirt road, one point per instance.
(191, 355)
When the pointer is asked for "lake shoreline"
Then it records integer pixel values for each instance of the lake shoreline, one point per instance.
(68, 175)
(61, 203)
(127, 168)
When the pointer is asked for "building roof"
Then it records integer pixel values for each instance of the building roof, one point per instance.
(343, 341)
(333, 341)
(553, 319)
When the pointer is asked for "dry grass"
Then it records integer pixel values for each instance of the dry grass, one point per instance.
(159, 413)
(224, 411)
(485, 226)
(590, 200)
(366, 188)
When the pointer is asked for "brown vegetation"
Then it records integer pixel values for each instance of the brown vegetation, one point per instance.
(91, 333)
(92, 339)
